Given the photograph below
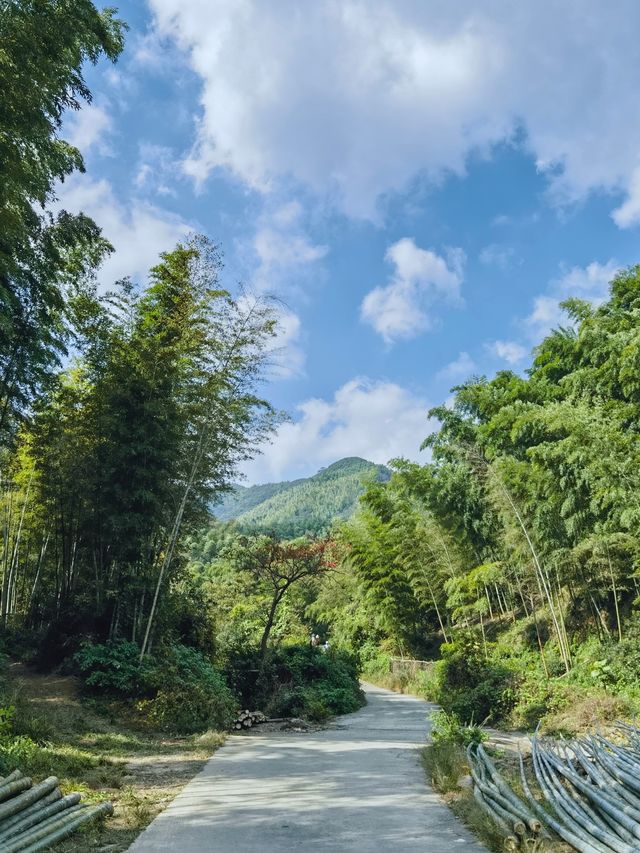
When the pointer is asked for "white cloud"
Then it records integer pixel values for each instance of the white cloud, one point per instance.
(375, 420)
(461, 368)
(497, 255)
(281, 261)
(628, 213)
(509, 351)
(280, 254)
(420, 279)
(157, 169)
(355, 100)
(288, 354)
(89, 127)
(590, 283)
(137, 230)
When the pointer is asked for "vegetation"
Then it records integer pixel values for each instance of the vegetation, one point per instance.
(45, 258)
(510, 559)
(95, 746)
(180, 692)
(123, 417)
(512, 555)
(306, 507)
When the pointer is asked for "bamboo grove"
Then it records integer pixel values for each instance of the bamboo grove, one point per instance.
(123, 409)
(527, 512)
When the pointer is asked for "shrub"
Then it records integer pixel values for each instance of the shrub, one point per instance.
(191, 695)
(114, 667)
(449, 729)
(472, 686)
(304, 681)
(179, 690)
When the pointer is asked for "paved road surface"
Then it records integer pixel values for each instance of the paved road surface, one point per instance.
(355, 786)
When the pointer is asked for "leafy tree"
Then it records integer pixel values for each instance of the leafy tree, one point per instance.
(43, 47)
(132, 442)
(276, 567)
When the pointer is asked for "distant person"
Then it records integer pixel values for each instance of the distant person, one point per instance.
(325, 647)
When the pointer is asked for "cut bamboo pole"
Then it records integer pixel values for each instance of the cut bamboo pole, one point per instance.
(35, 793)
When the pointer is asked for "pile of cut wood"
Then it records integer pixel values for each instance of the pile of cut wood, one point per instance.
(247, 719)
(33, 817)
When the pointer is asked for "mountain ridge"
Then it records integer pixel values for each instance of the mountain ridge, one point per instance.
(307, 505)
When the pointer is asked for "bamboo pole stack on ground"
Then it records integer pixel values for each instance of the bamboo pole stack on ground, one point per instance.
(590, 787)
(33, 817)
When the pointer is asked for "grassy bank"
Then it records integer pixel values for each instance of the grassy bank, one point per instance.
(94, 748)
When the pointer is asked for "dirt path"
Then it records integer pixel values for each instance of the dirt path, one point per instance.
(357, 785)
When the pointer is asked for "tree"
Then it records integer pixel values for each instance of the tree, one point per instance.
(43, 47)
(276, 567)
(131, 443)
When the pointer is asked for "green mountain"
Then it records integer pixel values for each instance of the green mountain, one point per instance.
(296, 507)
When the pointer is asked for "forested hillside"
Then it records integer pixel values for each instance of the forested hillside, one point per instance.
(298, 507)
(514, 554)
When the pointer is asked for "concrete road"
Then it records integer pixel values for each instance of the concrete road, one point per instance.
(356, 786)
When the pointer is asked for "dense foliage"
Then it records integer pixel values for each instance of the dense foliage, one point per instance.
(122, 414)
(517, 545)
(45, 257)
(125, 450)
(511, 557)
(178, 690)
(301, 507)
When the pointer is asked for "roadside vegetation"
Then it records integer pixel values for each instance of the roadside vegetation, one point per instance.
(510, 559)
(125, 412)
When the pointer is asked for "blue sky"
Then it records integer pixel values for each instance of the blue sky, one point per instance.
(420, 183)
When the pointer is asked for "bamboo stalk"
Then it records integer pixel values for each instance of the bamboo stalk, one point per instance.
(69, 828)
(31, 796)
(13, 788)
(9, 822)
(39, 814)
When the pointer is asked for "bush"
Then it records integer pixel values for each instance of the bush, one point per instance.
(301, 681)
(448, 729)
(114, 667)
(179, 690)
(472, 686)
(191, 695)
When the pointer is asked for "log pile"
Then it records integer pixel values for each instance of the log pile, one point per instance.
(590, 787)
(247, 719)
(33, 817)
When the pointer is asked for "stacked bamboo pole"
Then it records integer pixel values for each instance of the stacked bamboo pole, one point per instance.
(590, 788)
(33, 817)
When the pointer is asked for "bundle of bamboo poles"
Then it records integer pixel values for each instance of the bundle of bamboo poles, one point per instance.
(591, 786)
(33, 817)
(515, 819)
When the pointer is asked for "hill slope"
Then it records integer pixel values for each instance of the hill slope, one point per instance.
(296, 507)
